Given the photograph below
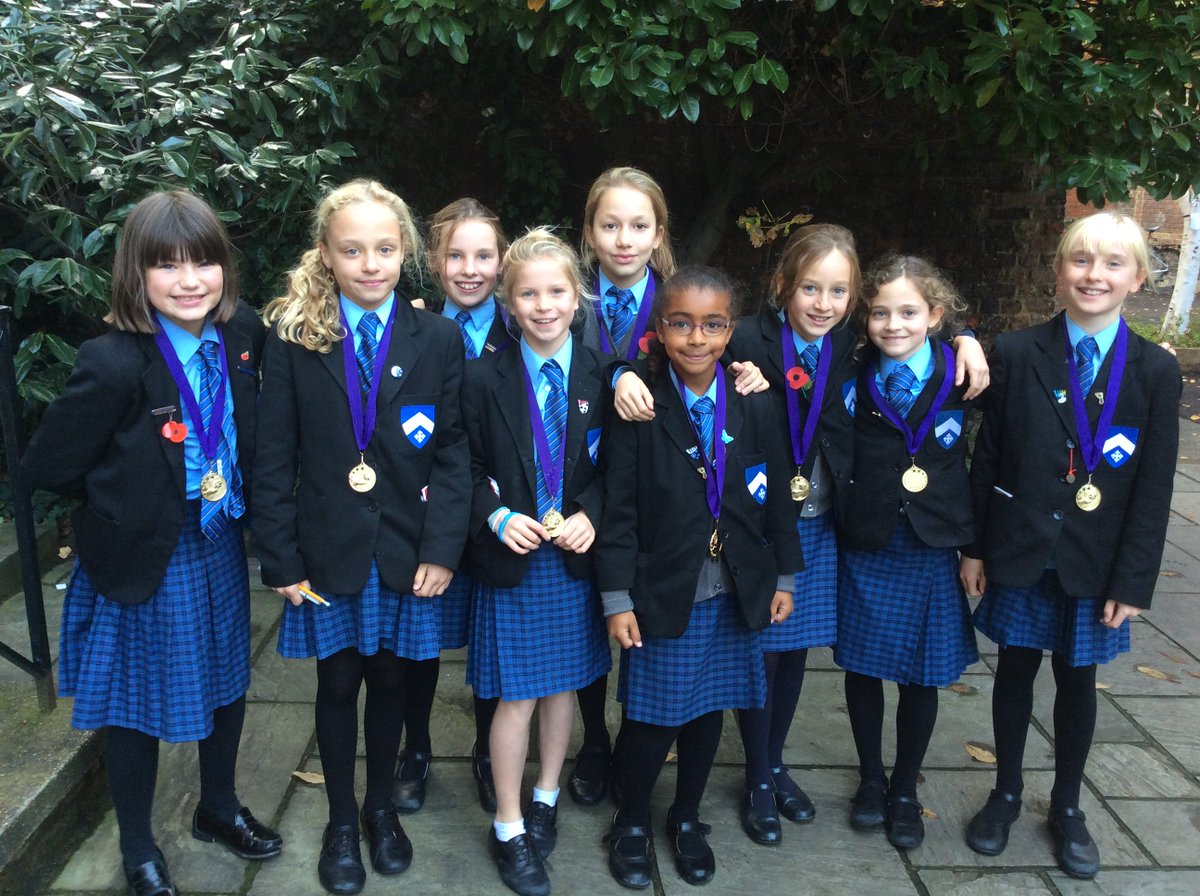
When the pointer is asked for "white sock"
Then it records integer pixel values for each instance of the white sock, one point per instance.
(506, 830)
(548, 797)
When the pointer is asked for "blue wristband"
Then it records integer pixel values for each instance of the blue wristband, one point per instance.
(504, 522)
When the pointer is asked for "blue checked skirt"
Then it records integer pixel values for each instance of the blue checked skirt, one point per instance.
(377, 618)
(813, 622)
(162, 666)
(455, 604)
(717, 663)
(902, 614)
(1048, 618)
(543, 637)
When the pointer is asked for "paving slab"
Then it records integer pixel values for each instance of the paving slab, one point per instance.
(1150, 648)
(1128, 883)
(1175, 724)
(1178, 573)
(984, 883)
(1169, 829)
(1133, 770)
(1176, 617)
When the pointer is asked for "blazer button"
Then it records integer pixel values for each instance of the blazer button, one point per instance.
(1058, 514)
(373, 507)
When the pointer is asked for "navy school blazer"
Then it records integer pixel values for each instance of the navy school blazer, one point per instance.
(101, 442)
(1019, 471)
(309, 522)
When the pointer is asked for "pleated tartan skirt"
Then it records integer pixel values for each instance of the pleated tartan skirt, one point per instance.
(377, 618)
(545, 636)
(813, 621)
(1046, 617)
(902, 614)
(717, 663)
(455, 606)
(162, 666)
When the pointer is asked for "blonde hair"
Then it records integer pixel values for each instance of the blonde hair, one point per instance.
(662, 259)
(806, 247)
(538, 244)
(309, 314)
(1099, 234)
(443, 224)
(933, 285)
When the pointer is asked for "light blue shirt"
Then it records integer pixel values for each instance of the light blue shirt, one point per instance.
(690, 397)
(354, 313)
(534, 363)
(1104, 341)
(800, 342)
(921, 364)
(187, 349)
(480, 323)
(639, 292)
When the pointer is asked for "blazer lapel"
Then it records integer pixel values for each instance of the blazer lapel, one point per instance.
(770, 328)
(161, 392)
(402, 355)
(509, 393)
(1050, 367)
(669, 408)
(583, 406)
(243, 373)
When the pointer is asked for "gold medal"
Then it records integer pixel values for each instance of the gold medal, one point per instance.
(714, 544)
(914, 479)
(1088, 496)
(362, 477)
(213, 486)
(800, 487)
(552, 522)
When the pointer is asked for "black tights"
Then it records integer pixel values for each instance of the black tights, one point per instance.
(644, 750)
(765, 730)
(592, 699)
(1074, 720)
(420, 687)
(338, 680)
(132, 762)
(916, 714)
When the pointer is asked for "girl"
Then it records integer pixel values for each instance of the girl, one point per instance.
(364, 498)
(533, 417)
(1072, 479)
(155, 434)
(466, 245)
(698, 550)
(901, 613)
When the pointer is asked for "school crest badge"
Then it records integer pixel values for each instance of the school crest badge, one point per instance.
(756, 482)
(948, 427)
(1120, 445)
(417, 422)
(583, 406)
(850, 396)
(1060, 396)
(593, 443)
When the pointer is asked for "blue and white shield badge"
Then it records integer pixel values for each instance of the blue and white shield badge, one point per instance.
(417, 422)
(756, 482)
(1120, 445)
(850, 396)
(948, 427)
(593, 443)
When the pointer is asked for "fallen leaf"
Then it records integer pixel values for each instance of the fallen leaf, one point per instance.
(1157, 673)
(1101, 686)
(671, 757)
(1194, 674)
(310, 777)
(1170, 574)
(1173, 658)
(959, 688)
(928, 813)
(1195, 417)
(980, 752)
(64, 553)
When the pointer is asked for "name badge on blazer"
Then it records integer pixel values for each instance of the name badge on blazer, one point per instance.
(948, 427)
(417, 422)
(756, 482)
(1120, 445)
(593, 443)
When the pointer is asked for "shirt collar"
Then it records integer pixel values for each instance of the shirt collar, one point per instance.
(354, 312)
(921, 364)
(638, 289)
(800, 341)
(184, 343)
(481, 315)
(534, 361)
(690, 397)
(1104, 339)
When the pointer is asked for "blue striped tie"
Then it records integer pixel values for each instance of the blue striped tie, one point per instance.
(554, 419)
(899, 390)
(1085, 351)
(212, 520)
(463, 318)
(367, 346)
(620, 312)
(702, 414)
(809, 358)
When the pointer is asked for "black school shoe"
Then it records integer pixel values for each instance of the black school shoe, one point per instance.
(794, 804)
(541, 824)
(1074, 849)
(905, 827)
(519, 866)
(760, 816)
(151, 878)
(629, 855)
(408, 790)
(868, 809)
(389, 847)
(245, 836)
(694, 859)
(987, 833)
(589, 778)
(340, 867)
(481, 768)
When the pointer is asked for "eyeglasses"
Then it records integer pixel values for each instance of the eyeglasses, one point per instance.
(680, 327)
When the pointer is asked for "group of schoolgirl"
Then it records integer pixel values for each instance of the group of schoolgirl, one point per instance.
(424, 481)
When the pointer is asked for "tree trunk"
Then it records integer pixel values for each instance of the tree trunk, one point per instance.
(1180, 308)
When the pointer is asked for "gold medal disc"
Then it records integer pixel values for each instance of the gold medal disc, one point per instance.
(213, 486)
(714, 544)
(800, 487)
(914, 479)
(362, 477)
(1088, 497)
(552, 522)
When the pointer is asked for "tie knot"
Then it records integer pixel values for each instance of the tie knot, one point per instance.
(368, 325)
(619, 298)
(809, 358)
(463, 318)
(702, 408)
(1086, 349)
(553, 374)
(208, 350)
(900, 379)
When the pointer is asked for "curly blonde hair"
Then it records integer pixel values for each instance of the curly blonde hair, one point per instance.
(309, 313)
(662, 259)
(537, 244)
(933, 285)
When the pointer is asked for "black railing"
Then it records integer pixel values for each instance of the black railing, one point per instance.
(22, 508)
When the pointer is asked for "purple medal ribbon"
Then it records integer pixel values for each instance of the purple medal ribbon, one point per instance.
(714, 480)
(792, 396)
(1091, 447)
(639, 324)
(912, 441)
(364, 419)
(552, 467)
(210, 438)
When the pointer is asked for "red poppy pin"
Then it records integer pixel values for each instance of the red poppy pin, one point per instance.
(797, 378)
(644, 343)
(245, 356)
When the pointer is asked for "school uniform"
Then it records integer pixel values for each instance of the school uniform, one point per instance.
(1051, 565)
(155, 632)
(902, 615)
(699, 651)
(536, 623)
(827, 466)
(360, 550)
(601, 330)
